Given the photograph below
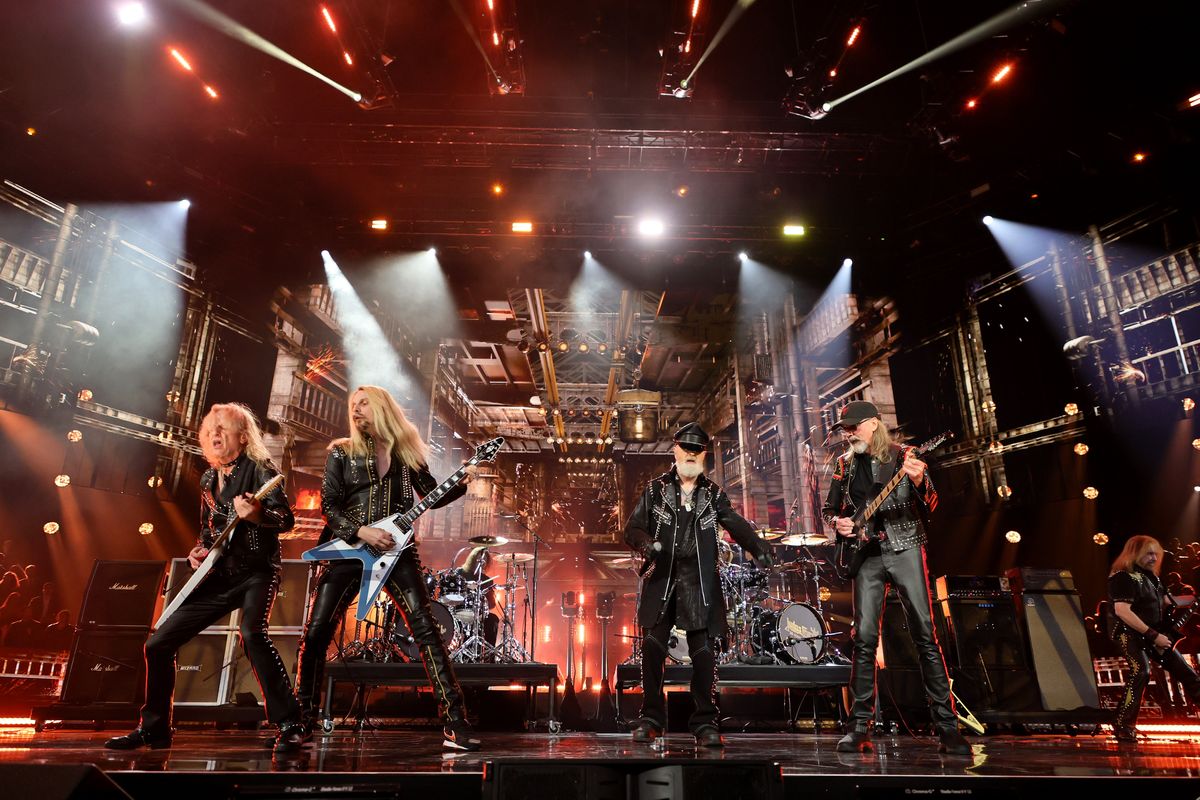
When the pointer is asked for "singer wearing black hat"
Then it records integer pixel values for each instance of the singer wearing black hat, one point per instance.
(675, 527)
(893, 554)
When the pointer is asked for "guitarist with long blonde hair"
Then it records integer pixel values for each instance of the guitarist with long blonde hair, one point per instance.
(378, 470)
(890, 552)
(245, 576)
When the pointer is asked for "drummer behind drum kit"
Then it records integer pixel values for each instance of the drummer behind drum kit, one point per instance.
(461, 599)
(775, 616)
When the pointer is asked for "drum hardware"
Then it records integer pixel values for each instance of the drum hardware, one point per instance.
(804, 540)
(488, 541)
(373, 635)
(508, 649)
(513, 558)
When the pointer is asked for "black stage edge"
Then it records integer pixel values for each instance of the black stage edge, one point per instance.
(758, 676)
(234, 764)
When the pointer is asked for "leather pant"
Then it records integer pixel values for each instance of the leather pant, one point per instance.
(1131, 646)
(221, 592)
(704, 673)
(337, 588)
(907, 572)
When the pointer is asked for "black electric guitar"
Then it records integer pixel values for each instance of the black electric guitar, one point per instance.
(1171, 626)
(850, 551)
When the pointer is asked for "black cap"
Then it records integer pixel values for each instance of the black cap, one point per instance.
(692, 437)
(852, 414)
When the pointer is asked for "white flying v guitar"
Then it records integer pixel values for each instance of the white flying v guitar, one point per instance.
(214, 552)
(378, 564)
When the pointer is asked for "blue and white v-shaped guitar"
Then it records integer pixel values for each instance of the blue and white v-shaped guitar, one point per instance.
(378, 564)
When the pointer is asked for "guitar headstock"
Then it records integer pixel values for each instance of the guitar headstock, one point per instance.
(488, 450)
(934, 443)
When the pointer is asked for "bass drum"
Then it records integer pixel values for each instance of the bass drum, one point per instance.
(443, 620)
(795, 634)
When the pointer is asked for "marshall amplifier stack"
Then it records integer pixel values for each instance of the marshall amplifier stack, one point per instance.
(107, 666)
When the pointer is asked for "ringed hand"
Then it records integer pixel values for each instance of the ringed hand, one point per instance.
(376, 537)
(247, 507)
(914, 468)
(844, 526)
(198, 554)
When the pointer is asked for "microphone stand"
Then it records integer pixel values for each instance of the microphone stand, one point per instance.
(531, 594)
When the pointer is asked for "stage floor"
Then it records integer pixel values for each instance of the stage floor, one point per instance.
(207, 756)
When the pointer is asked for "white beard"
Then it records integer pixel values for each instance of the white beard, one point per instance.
(858, 446)
(689, 470)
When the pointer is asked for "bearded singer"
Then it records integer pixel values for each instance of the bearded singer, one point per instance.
(675, 528)
(378, 471)
(895, 556)
(246, 576)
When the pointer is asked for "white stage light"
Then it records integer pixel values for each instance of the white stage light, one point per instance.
(131, 15)
(847, 263)
(651, 227)
(185, 204)
(988, 220)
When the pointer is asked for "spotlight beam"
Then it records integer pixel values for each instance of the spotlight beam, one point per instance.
(1020, 13)
(236, 30)
(732, 17)
(466, 21)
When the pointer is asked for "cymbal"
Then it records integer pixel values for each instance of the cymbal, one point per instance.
(630, 596)
(771, 534)
(514, 558)
(629, 562)
(488, 541)
(803, 540)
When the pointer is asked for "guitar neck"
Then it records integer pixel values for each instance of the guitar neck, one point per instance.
(873, 506)
(431, 499)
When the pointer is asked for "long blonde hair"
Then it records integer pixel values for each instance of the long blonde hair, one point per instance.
(392, 428)
(245, 423)
(1135, 548)
(880, 445)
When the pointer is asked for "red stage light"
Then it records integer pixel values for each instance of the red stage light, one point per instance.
(1002, 73)
(833, 72)
(178, 56)
(522, 227)
(1139, 157)
(854, 36)
(496, 38)
(328, 19)
(349, 60)
(972, 103)
(497, 189)
(695, 8)
(210, 91)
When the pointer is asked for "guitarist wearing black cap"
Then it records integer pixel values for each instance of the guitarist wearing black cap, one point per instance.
(890, 551)
(675, 528)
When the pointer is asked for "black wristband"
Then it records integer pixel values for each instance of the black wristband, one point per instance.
(1149, 636)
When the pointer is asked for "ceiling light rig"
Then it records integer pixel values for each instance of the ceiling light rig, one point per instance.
(494, 29)
(681, 53)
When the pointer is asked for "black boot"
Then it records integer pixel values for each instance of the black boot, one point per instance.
(856, 741)
(1125, 734)
(457, 736)
(290, 739)
(646, 731)
(139, 738)
(709, 736)
(953, 743)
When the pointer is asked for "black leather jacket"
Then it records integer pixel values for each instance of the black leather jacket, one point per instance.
(251, 547)
(904, 512)
(654, 520)
(353, 494)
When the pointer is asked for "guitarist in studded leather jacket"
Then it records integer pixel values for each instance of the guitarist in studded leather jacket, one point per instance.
(893, 553)
(379, 470)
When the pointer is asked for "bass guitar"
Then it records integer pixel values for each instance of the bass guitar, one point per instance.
(850, 551)
(378, 564)
(214, 552)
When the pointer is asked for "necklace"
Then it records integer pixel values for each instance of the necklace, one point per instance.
(686, 495)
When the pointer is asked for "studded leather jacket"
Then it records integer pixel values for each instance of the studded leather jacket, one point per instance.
(656, 520)
(903, 515)
(253, 547)
(354, 494)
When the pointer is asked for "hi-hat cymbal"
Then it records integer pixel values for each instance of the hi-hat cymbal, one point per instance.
(803, 540)
(488, 541)
(514, 558)
(771, 534)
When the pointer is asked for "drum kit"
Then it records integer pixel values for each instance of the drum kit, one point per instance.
(774, 616)
(462, 599)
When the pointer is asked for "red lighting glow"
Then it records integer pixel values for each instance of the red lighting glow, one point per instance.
(546, 634)
(1194, 101)
(211, 92)
(972, 103)
(1139, 157)
(833, 72)
(1002, 73)
(349, 60)
(854, 36)
(328, 19)
(178, 56)
(687, 46)
(491, 5)
(695, 8)
(522, 227)
(496, 38)
(497, 189)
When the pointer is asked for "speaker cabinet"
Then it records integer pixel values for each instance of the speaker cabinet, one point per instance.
(244, 680)
(106, 667)
(979, 633)
(1058, 643)
(122, 594)
(201, 674)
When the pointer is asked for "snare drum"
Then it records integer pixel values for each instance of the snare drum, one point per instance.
(443, 620)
